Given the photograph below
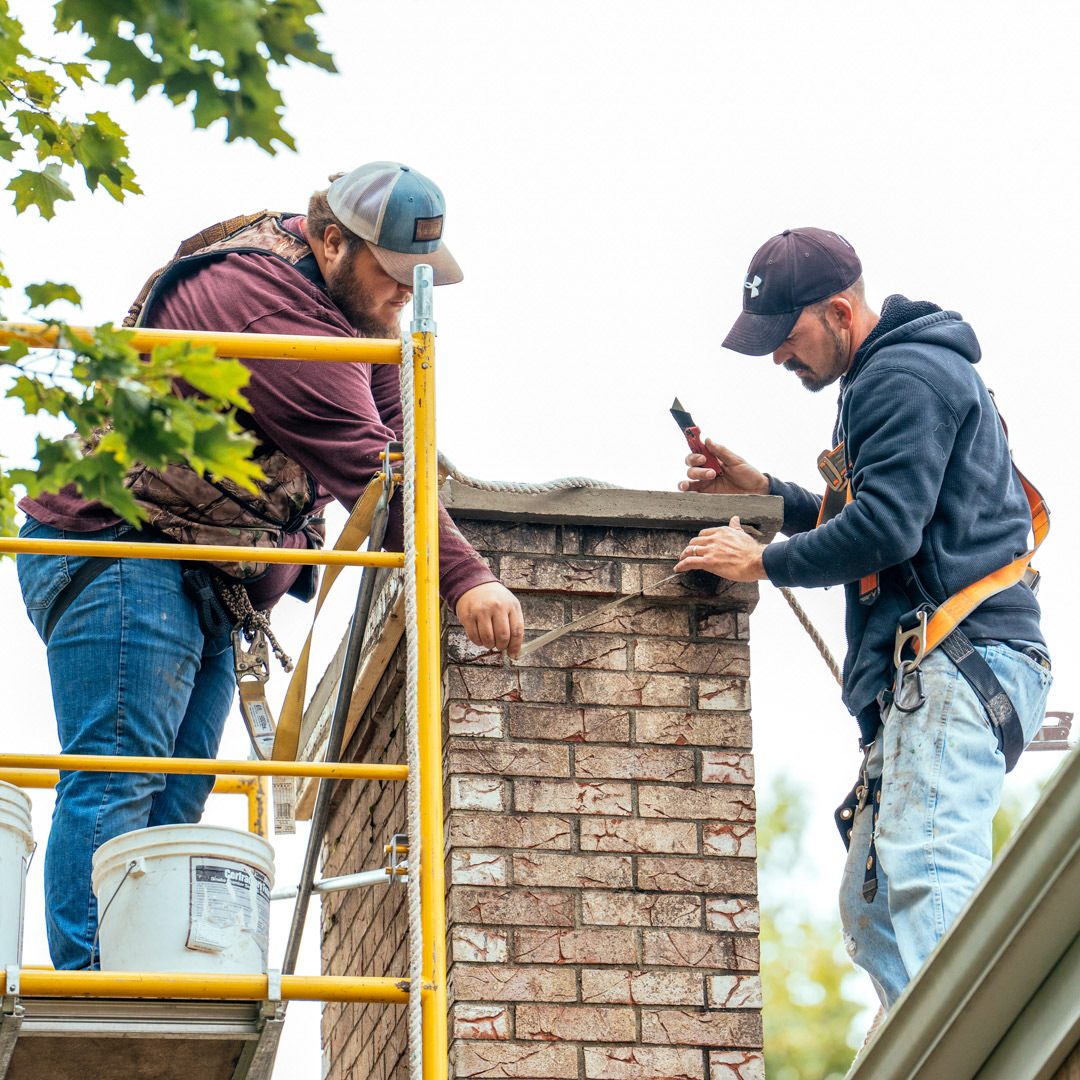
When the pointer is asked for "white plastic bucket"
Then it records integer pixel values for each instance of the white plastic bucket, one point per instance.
(195, 898)
(16, 847)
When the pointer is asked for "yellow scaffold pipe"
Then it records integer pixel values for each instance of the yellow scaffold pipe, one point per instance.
(334, 770)
(140, 984)
(14, 545)
(237, 346)
(253, 788)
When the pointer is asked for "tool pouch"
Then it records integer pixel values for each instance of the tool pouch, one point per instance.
(199, 584)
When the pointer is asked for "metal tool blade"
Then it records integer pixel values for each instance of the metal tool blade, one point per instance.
(554, 635)
(682, 417)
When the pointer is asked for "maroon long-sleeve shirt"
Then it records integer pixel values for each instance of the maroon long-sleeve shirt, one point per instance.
(333, 418)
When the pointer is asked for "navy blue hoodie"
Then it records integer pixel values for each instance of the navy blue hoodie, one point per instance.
(932, 482)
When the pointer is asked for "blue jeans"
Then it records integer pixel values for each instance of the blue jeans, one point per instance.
(941, 775)
(131, 674)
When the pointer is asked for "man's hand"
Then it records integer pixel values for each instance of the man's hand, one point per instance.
(736, 477)
(491, 616)
(726, 551)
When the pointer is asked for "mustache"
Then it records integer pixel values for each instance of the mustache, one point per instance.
(794, 365)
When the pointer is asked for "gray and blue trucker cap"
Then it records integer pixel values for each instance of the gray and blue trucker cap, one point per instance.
(787, 273)
(400, 213)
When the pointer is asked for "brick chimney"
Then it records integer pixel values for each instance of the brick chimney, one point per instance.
(602, 910)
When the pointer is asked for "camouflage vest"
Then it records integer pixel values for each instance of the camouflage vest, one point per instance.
(192, 508)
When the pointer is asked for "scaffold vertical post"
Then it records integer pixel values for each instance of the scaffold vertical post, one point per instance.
(432, 883)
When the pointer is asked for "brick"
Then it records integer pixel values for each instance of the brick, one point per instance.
(569, 1023)
(600, 651)
(685, 874)
(572, 797)
(734, 991)
(694, 728)
(480, 1022)
(628, 543)
(553, 1061)
(561, 574)
(629, 688)
(731, 840)
(643, 1063)
(489, 982)
(732, 914)
(478, 868)
(458, 649)
(472, 945)
(725, 693)
(515, 907)
(478, 793)
(602, 908)
(480, 721)
(700, 803)
(695, 585)
(621, 834)
(569, 724)
(722, 624)
(576, 871)
(704, 1027)
(690, 948)
(474, 683)
(736, 1065)
(727, 767)
(640, 616)
(508, 536)
(690, 658)
(575, 947)
(571, 539)
(642, 987)
(520, 831)
(507, 759)
(543, 612)
(634, 763)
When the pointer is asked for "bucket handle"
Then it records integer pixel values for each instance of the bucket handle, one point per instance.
(134, 866)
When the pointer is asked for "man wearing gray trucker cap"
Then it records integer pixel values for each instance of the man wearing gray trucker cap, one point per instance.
(923, 502)
(139, 666)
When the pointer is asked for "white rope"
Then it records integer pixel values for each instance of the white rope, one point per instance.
(412, 721)
(448, 468)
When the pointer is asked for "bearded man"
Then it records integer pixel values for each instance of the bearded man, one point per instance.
(924, 501)
(134, 669)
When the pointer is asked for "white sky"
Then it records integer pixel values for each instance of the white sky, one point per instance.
(609, 170)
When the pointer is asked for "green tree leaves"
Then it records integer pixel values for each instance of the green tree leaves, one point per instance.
(178, 404)
(41, 189)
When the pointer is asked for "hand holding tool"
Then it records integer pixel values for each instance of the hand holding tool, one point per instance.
(692, 434)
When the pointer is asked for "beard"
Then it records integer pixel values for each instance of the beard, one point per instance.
(355, 302)
(836, 363)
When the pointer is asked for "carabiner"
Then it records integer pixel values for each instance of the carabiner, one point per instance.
(906, 668)
(916, 636)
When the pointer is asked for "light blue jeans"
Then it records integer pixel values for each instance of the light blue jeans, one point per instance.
(941, 783)
(131, 674)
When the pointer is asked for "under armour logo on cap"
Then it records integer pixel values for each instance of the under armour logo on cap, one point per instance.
(752, 286)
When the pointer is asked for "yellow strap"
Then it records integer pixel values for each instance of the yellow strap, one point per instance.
(356, 531)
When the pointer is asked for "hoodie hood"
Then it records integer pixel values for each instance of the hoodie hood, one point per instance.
(915, 320)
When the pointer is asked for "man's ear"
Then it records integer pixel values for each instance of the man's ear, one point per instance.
(842, 311)
(333, 242)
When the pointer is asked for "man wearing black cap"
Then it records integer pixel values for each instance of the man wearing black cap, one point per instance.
(933, 504)
(136, 667)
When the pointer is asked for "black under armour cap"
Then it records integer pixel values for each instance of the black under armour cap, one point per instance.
(787, 273)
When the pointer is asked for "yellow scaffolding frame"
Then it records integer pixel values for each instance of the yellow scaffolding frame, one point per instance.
(29, 767)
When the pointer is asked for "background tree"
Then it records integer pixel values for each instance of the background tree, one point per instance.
(214, 56)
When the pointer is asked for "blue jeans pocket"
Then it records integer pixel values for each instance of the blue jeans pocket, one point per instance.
(41, 577)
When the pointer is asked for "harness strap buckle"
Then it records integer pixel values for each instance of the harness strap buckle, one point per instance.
(833, 467)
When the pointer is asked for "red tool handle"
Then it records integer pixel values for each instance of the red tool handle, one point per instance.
(693, 440)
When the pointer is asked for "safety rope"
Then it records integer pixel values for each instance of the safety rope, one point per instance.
(448, 468)
(412, 718)
(815, 637)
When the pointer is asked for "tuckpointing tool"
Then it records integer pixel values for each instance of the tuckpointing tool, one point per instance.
(692, 434)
